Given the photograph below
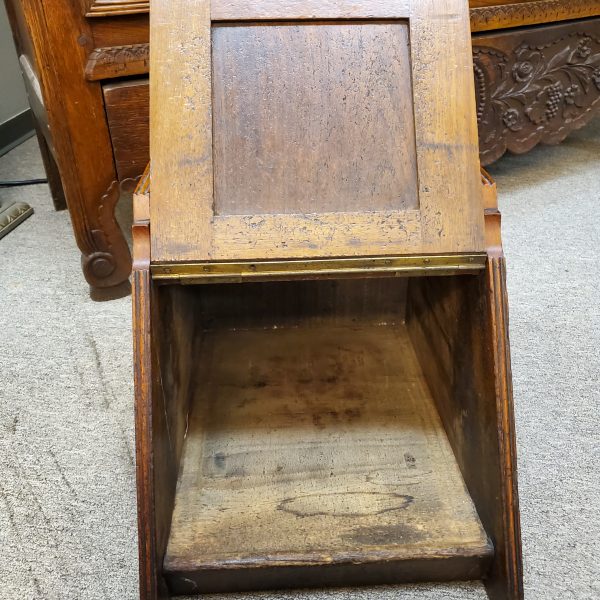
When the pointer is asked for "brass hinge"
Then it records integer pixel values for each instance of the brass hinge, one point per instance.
(391, 266)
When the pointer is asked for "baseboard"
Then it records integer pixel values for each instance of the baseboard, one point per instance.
(16, 130)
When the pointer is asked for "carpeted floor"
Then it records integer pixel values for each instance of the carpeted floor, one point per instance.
(67, 489)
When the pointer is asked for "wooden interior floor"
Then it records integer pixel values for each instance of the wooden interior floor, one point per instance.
(317, 446)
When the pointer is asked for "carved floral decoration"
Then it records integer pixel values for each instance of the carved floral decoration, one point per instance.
(536, 88)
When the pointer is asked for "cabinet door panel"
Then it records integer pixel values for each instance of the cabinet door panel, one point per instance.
(282, 139)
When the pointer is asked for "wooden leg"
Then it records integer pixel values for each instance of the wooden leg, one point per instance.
(52, 172)
(81, 146)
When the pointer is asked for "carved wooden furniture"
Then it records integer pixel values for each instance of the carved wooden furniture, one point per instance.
(322, 372)
(534, 84)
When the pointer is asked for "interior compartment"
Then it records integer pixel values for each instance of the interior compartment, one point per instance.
(322, 424)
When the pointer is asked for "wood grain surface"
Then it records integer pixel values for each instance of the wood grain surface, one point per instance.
(459, 329)
(181, 129)
(126, 105)
(313, 118)
(258, 10)
(316, 446)
(305, 81)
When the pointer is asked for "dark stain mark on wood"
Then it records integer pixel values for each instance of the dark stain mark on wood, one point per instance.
(381, 535)
(345, 504)
(219, 459)
(410, 460)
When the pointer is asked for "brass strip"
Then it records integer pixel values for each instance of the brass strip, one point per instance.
(231, 272)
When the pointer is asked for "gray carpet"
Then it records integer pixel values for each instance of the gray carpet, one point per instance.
(67, 491)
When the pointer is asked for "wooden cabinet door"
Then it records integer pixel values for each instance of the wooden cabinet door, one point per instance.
(315, 128)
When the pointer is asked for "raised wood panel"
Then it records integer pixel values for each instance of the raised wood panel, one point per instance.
(127, 111)
(185, 226)
(304, 122)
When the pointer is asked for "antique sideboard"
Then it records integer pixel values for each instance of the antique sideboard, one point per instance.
(85, 62)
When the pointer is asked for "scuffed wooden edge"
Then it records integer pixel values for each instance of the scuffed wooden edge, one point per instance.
(506, 585)
(143, 431)
(141, 223)
(182, 167)
(493, 218)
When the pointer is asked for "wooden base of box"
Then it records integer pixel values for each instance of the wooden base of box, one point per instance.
(329, 432)
(309, 449)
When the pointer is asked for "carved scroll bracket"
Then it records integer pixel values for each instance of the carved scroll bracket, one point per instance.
(108, 259)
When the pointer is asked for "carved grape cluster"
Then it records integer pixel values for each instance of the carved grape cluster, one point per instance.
(583, 48)
(570, 93)
(539, 89)
(555, 96)
(512, 119)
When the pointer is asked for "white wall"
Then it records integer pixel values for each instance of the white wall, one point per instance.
(13, 99)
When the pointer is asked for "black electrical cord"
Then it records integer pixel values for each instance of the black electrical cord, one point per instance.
(23, 182)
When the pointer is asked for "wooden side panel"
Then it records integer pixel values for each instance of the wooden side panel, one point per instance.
(127, 108)
(312, 118)
(459, 328)
(163, 340)
(181, 131)
(153, 516)
(145, 390)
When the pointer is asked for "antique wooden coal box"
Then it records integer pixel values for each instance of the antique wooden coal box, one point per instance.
(323, 388)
